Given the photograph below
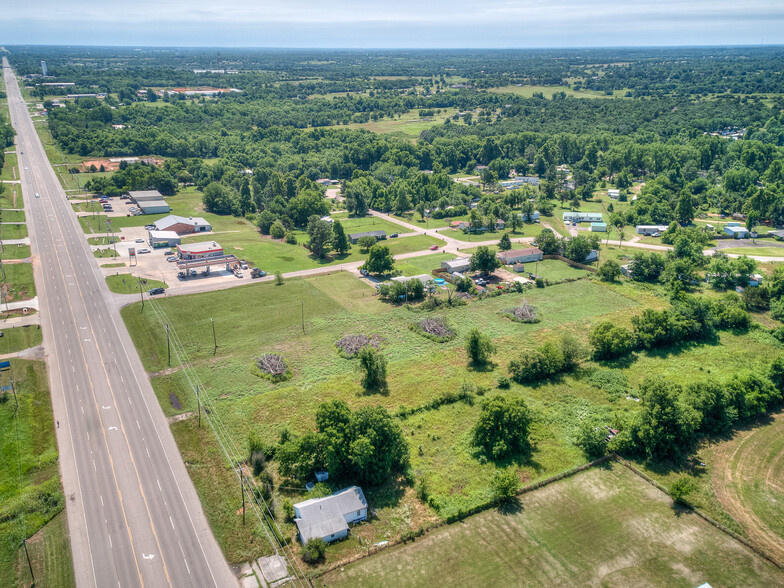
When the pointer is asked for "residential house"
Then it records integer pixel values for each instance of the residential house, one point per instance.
(461, 264)
(355, 237)
(582, 217)
(520, 255)
(328, 518)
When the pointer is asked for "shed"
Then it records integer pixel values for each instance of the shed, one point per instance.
(154, 206)
(163, 238)
(599, 227)
(461, 264)
(530, 216)
(520, 255)
(592, 256)
(328, 518)
(519, 267)
(736, 232)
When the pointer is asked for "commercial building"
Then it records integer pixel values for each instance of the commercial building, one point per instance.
(199, 250)
(154, 206)
(183, 225)
(328, 518)
(582, 217)
(379, 236)
(520, 255)
(163, 238)
(145, 195)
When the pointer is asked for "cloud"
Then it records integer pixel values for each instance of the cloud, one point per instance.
(403, 23)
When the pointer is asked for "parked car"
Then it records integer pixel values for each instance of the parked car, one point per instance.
(257, 273)
(124, 197)
(238, 273)
(103, 201)
(182, 274)
(168, 252)
(149, 227)
(434, 248)
(155, 291)
(143, 250)
(393, 235)
(37, 195)
(171, 258)
(243, 264)
(364, 272)
(140, 240)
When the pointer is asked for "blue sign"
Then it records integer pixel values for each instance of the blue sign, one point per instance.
(5, 365)
(6, 388)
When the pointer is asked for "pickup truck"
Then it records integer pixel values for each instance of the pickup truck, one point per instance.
(257, 273)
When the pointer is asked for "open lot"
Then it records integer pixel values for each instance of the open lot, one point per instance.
(129, 284)
(15, 252)
(13, 231)
(18, 338)
(19, 282)
(761, 251)
(30, 492)
(603, 527)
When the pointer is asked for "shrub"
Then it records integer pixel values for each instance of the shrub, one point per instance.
(609, 271)
(313, 551)
(277, 230)
(504, 382)
(680, 488)
(777, 309)
(609, 341)
(592, 440)
(278, 279)
(540, 283)
(502, 428)
(505, 484)
(374, 366)
(288, 509)
(479, 347)
(291, 238)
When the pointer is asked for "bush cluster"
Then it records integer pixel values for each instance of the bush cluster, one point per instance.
(546, 360)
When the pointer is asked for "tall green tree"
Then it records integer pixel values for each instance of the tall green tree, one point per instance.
(339, 240)
(505, 244)
(503, 426)
(380, 260)
(685, 209)
(479, 347)
(320, 234)
(484, 260)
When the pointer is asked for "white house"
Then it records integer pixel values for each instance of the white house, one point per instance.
(582, 217)
(614, 193)
(461, 264)
(328, 518)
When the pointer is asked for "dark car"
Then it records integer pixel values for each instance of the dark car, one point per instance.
(155, 291)
(393, 235)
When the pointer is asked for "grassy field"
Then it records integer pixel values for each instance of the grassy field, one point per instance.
(413, 266)
(761, 251)
(15, 252)
(603, 527)
(19, 282)
(50, 556)
(555, 270)
(102, 240)
(30, 492)
(408, 125)
(129, 284)
(548, 91)
(10, 169)
(108, 252)
(13, 216)
(11, 197)
(18, 338)
(13, 231)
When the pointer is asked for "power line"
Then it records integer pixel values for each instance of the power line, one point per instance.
(230, 450)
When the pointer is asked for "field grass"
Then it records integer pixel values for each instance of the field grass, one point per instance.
(10, 169)
(19, 282)
(15, 252)
(603, 527)
(548, 91)
(50, 556)
(761, 251)
(18, 338)
(112, 265)
(13, 231)
(555, 270)
(129, 284)
(30, 492)
(408, 125)
(11, 197)
(103, 240)
(13, 216)
(413, 266)
(430, 223)
(108, 252)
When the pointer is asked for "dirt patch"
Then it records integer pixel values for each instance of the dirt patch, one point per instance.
(175, 402)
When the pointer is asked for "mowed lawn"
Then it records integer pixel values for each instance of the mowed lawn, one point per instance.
(18, 338)
(603, 527)
(19, 281)
(761, 251)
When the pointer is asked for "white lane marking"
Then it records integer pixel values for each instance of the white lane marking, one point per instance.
(148, 452)
(106, 407)
(82, 410)
(159, 484)
(137, 425)
(171, 521)
(151, 556)
(94, 468)
(112, 428)
(101, 499)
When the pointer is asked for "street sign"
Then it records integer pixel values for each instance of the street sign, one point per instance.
(5, 365)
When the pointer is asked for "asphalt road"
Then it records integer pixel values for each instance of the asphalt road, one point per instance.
(133, 513)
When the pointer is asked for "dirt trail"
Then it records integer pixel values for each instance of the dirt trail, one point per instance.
(746, 461)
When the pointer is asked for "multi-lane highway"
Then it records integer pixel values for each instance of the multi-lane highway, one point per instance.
(134, 516)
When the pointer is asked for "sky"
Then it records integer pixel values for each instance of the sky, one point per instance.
(392, 24)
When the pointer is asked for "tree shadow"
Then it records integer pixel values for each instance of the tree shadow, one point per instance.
(482, 367)
(623, 362)
(510, 507)
(389, 494)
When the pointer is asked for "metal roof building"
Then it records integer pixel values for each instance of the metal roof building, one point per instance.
(328, 518)
(142, 195)
(583, 217)
(379, 235)
(461, 264)
(182, 225)
(163, 238)
(199, 250)
(154, 206)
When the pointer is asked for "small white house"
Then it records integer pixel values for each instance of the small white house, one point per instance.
(614, 193)
(328, 518)
(461, 264)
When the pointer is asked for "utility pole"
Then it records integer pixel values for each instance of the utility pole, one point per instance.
(24, 542)
(168, 345)
(198, 404)
(303, 317)
(13, 389)
(242, 489)
(214, 338)
(141, 294)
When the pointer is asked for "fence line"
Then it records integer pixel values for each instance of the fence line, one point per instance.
(701, 514)
(462, 515)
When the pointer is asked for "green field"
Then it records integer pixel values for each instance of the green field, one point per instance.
(18, 338)
(13, 231)
(603, 527)
(19, 280)
(102, 240)
(548, 91)
(424, 264)
(13, 216)
(408, 125)
(129, 284)
(30, 492)
(10, 169)
(50, 555)
(108, 252)
(15, 252)
(11, 197)
(761, 251)
(554, 270)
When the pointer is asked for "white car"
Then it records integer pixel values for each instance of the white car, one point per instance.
(143, 250)
(140, 240)
(37, 195)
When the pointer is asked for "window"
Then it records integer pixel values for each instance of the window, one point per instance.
(359, 513)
